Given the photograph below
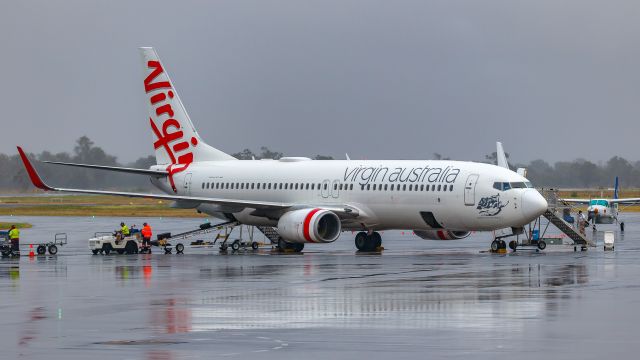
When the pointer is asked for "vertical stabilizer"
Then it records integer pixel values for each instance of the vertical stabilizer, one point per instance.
(176, 141)
(500, 156)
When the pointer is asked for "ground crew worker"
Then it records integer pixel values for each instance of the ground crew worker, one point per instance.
(122, 233)
(124, 229)
(582, 223)
(146, 237)
(14, 236)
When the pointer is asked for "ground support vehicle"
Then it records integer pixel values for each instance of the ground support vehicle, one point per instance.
(59, 239)
(107, 242)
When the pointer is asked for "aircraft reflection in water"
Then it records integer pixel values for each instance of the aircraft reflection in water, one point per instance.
(485, 299)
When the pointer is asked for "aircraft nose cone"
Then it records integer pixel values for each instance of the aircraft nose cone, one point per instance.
(533, 204)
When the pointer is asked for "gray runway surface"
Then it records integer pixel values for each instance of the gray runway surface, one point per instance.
(419, 299)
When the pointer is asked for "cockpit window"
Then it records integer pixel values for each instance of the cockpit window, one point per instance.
(518, 185)
(599, 202)
(529, 184)
(502, 186)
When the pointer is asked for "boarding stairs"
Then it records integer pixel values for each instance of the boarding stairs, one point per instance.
(551, 196)
(270, 232)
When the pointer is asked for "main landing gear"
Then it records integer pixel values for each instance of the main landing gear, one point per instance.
(368, 242)
(284, 246)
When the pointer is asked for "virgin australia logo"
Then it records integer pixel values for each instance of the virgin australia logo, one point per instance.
(491, 205)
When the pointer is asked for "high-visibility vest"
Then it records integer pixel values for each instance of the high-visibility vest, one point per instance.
(146, 231)
(125, 230)
(14, 234)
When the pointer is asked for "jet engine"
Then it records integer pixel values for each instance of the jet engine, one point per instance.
(442, 234)
(309, 226)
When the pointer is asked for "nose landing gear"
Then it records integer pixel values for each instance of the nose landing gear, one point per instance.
(368, 242)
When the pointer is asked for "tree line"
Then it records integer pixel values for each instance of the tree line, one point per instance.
(579, 173)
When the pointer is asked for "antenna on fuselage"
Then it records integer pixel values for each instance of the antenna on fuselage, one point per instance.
(347, 156)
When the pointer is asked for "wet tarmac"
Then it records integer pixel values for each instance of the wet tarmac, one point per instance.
(418, 299)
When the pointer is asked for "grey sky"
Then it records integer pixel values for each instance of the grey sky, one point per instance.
(377, 79)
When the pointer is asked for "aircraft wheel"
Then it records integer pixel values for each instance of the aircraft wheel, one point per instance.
(235, 246)
(130, 247)
(513, 245)
(541, 244)
(41, 250)
(361, 241)
(495, 245)
(376, 240)
(254, 245)
(53, 249)
(179, 249)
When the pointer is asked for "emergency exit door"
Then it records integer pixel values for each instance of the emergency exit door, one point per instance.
(470, 190)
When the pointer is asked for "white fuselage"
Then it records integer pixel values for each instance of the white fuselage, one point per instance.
(387, 194)
(602, 211)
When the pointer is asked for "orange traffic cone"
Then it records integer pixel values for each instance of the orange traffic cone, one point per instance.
(31, 254)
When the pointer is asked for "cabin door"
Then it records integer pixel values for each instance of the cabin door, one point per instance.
(470, 190)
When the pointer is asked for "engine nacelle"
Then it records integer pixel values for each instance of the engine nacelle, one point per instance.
(442, 234)
(309, 226)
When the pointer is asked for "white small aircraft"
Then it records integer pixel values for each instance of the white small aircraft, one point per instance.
(313, 201)
(602, 210)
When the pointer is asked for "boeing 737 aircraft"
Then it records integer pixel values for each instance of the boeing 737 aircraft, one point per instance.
(313, 201)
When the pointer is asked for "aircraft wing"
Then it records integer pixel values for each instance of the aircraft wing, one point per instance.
(113, 168)
(576, 201)
(343, 211)
(39, 183)
(627, 201)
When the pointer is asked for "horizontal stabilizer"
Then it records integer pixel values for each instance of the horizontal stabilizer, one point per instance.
(158, 173)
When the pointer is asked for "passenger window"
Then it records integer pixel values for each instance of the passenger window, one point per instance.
(421, 187)
(404, 187)
(444, 187)
(451, 187)
(253, 186)
(368, 186)
(410, 187)
(335, 187)
(385, 187)
(296, 186)
(313, 186)
(391, 187)
(374, 186)
(439, 187)
(325, 186)
(286, 186)
(433, 188)
(426, 188)
(351, 187)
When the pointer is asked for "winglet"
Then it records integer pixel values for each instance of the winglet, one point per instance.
(33, 175)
